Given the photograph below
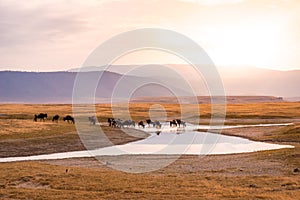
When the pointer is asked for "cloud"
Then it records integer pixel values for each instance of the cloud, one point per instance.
(23, 25)
(43, 22)
(64, 32)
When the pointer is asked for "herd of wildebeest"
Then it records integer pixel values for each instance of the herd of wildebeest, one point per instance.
(43, 116)
(112, 122)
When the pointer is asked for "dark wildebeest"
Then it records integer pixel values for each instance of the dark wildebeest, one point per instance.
(115, 122)
(41, 116)
(55, 118)
(141, 123)
(173, 122)
(180, 122)
(110, 121)
(177, 122)
(69, 118)
(149, 122)
(92, 120)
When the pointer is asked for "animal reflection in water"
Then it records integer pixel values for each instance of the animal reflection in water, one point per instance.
(158, 132)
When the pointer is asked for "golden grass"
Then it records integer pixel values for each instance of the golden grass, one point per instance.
(264, 110)
(140, 111)
(19, 135)
(16, 128)
(284, 134)
(33, 180)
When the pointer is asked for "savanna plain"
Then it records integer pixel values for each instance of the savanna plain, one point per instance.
(270, 174)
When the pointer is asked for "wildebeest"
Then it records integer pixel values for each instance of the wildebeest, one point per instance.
(128, 123)
(180, 122)
(69, 118)
(92, 120)
(177, 122)
(55, 118)
(118, 123)
(41, 116)
(149, 122)
(141, 123)
(173, 122)
(114, 122)
(110, 121)
(157, 124)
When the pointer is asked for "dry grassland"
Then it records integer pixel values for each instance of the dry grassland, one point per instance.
(260, 175)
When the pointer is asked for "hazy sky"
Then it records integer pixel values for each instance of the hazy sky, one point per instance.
(49, 35)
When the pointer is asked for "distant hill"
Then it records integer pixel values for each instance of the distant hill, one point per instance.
(57, 87)
(254, 85)
(257, 81)
(238, 81)
(32, 87)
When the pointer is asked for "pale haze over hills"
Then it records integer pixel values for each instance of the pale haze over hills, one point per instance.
(236, 80)
(57, 87)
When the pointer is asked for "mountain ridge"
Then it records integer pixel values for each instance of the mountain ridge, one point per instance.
(57, 87)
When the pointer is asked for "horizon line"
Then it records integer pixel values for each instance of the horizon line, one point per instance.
(78, 68)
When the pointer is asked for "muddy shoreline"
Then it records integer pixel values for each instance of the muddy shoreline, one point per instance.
(243, 164)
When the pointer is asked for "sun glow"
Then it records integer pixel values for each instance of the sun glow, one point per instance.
(256, 44)
(59, 36)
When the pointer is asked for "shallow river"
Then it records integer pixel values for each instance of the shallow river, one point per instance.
(172, 140)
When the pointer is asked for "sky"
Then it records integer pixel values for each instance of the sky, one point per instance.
(56, 35)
